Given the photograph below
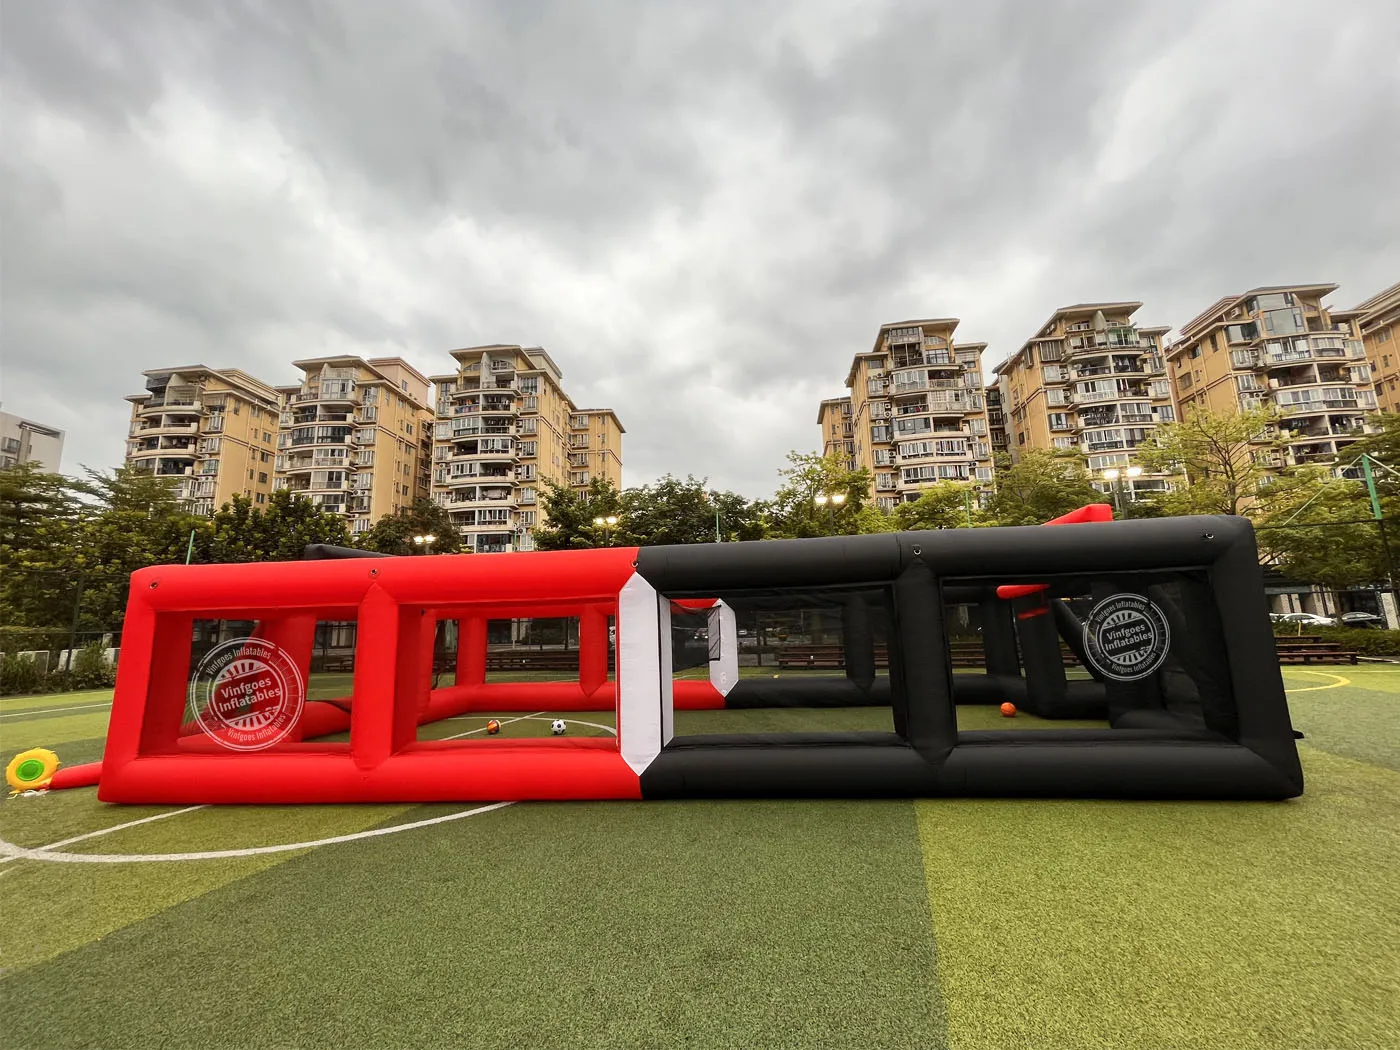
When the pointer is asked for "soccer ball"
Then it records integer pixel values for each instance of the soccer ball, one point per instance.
(557, 727)
(493, 727)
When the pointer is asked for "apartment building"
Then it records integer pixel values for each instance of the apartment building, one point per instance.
(1379, 320)
(595, 447)
(504, 423)
(25, 441)
(1279, 346)
(1090, 382)
(996, 420)
(211, 431)
(356, 436)
(834, 421)
(917, 415)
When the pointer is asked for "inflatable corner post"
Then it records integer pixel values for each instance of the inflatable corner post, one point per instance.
(1155, 631)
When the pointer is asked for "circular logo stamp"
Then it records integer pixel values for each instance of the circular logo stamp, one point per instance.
(247, 693)
(1126, 637)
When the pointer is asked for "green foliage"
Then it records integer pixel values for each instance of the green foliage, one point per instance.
(280, 531)
(1319, 528)
(794, 511)
(19, 675)
(1039, 487)
(676, 511)
(670, 511)
(1223, 455)
(1384, 446)
(80, 552)
(946, 505)
(91, 669)
(30, 497)
(393, 533)
(569, 515)
(871, 519)
(136, 522)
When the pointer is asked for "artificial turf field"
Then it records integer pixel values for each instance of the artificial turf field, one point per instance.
(945, 923)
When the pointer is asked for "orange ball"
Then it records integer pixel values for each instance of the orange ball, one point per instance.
(1008, 710)
(493, 727)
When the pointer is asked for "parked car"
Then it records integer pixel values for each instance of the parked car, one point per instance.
(1308, 619)
(1361, 619)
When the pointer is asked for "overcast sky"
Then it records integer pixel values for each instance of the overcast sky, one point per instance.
(702, 210)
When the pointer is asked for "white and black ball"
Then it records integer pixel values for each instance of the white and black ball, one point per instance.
(557, 727)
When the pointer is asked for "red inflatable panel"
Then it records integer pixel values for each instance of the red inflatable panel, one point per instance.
(397, 603)
(1090, 513)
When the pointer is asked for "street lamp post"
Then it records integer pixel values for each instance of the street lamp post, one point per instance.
(1112, 475)
(607, 525)
(424, 542)
(830, 500)
(713, 499)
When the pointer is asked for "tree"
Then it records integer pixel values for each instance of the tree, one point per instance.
(1384, 445)
(794, 511)
(82, 540)
(134, 521)
(676, 511)
(1223, 455)
(569, 515)
(946, 505)
(1041, 486)
(38, 511)
(871, 519)
(280, 531)
(1319, 529)
(30, 495)
(393, 533)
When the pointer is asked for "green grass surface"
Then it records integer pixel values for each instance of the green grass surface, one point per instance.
(950, 923)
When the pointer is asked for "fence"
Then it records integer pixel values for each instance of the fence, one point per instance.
(1362, 549)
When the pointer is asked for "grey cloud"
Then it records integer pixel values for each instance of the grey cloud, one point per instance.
(702, 210)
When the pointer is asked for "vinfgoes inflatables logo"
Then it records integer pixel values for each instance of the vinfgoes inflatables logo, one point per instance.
(247, 694)
(1126, 637)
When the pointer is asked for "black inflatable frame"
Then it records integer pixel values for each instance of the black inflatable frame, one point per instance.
(1242, 747)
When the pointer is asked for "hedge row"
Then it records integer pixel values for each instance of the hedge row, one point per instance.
(1366, 641)
(21, 677)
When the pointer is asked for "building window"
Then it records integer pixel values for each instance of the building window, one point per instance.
(262, 477)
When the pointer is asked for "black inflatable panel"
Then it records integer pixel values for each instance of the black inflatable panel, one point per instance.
(1173, 623)
(807, 690)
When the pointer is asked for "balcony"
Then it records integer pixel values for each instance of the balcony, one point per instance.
(1310, 377)
(1338, 400)
(1135, 368)
(338, 392)
(173, 405)
(1244, 359)
(159, 429)
(933, 358)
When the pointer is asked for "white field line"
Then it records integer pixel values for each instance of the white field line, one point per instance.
(51, 710)
(51, 696)
(107, 831)
(18, 852)
(504, 722)
(9, 851)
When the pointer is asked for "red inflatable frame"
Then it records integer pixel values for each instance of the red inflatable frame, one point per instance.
(152, 755)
